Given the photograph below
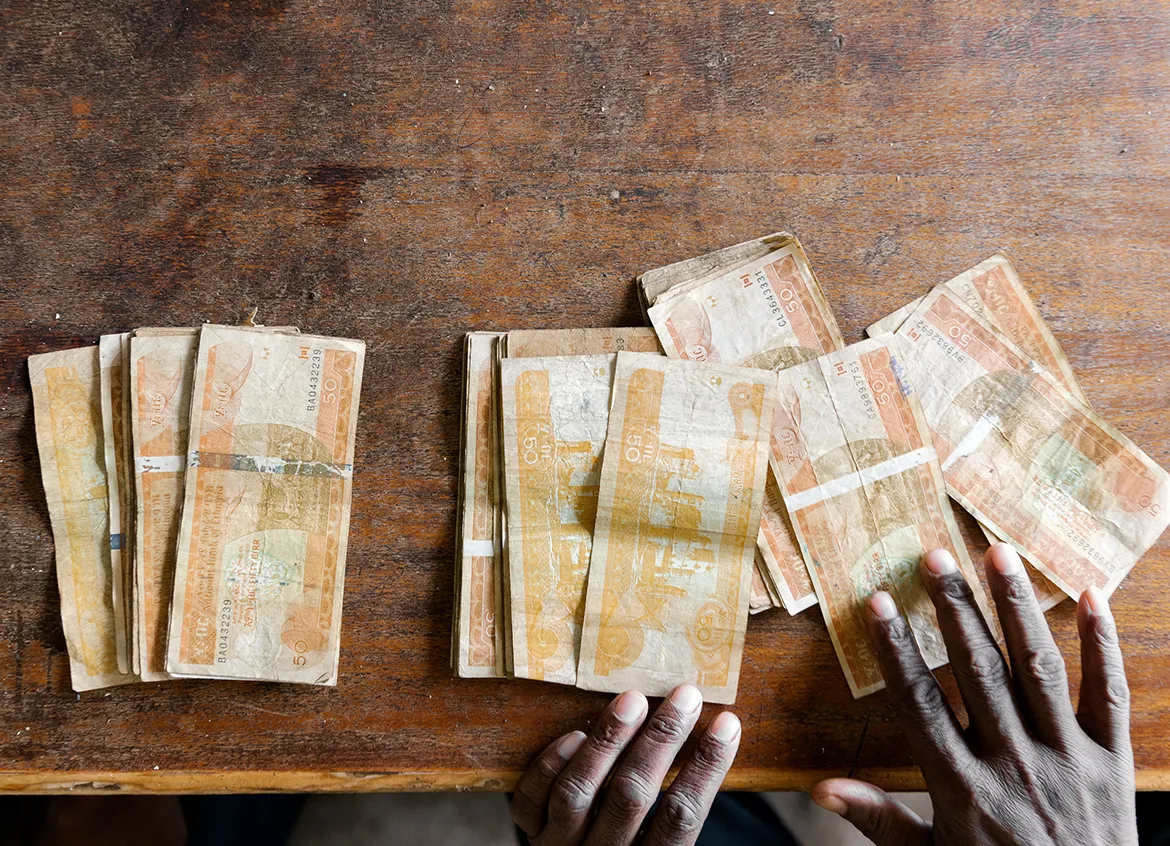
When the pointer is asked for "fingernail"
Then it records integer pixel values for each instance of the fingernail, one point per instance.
(725, 728)
(882, 605)
(940, 562)
(686, 698)
(1005, 559)
(1098, 604)
(569, 745)
(630, 706)
(831, 802)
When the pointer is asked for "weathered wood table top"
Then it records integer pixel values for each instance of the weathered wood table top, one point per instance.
(406, 172)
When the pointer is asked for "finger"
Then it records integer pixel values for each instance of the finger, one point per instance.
(1038, 671)
(924, 714)
(1104, 707)
(575, 790)
(873, 812)
(684, 807)
(635, 784)
(530, 801)
(982, 674)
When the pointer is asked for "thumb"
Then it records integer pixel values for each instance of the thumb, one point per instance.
(873, 812)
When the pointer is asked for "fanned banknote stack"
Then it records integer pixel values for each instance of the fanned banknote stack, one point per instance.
(198, 483)
(627, 497)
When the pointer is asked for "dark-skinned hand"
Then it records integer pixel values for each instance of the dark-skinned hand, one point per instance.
(578, 791)
(1027, 769)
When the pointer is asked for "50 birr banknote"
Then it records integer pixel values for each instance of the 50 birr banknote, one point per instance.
(863, 486)
(1036, 466)
(261, 552)
(682, 485)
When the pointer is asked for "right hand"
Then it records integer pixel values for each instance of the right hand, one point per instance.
(560, 801)
(1026, 769)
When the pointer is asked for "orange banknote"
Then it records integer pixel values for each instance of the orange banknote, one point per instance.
(119, 482)
(260, 567)
(678, 510)
(542, 343)
(993, 290)
(861, 482)
(478, 640)
(1030, 461)
(66, 389)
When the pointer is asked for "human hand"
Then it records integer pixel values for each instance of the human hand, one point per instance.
(1027, 769)
(560, 800)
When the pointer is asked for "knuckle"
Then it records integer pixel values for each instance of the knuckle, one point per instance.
(1018, 591)
(524, 813)
(923, 697)
(570, 797)
(548, 768)
(609, 736)
(630, 794)
(1045, 665)
(955, 589)
(710, 756)
(1117, 690)
(665, 729)
(898, 639)
(985, 664)
(1105, 633)
(680, 814)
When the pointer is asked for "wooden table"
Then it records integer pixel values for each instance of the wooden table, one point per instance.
(406, 172)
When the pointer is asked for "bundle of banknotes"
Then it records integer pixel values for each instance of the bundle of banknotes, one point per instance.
(628, 497)
(198, 483)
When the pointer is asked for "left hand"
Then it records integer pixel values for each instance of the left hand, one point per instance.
(560, 801)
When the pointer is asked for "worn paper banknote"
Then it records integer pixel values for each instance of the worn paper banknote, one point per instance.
(682, 485)
(683, 275)
(66, 388)
(761, 597)
(993, 290)
(541, 343)
(780, 554)
(162, 366)
(261, 554)
(479, 635)
(859, 476)
(769, 314)
(119, 478)
(1035, 465)
(555, 413)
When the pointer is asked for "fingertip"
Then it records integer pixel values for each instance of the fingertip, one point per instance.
(1095, 602)
(686, 698)
(882, 606)
(631, 706)
(826, 798)
(1004, 559)
(939, 562)
(726, 727)
(569, 744)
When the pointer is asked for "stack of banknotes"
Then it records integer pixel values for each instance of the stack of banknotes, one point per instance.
(198, 483)
(629, 496)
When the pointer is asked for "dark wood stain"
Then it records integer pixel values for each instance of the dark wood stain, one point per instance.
(407, 172)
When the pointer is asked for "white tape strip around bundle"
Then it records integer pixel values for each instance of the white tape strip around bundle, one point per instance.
(890, 467)
(479, 548)
(160, 463)
(971, 441)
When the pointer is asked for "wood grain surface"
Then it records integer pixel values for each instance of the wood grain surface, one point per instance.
(406, 172)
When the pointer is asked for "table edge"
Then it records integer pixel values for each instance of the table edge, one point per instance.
(283, 781)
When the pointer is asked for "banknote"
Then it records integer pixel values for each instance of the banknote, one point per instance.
(114, 406)
(780, 554)
(541, 343)
(555, 413)
(689, 273)
(681, 490)
(260, 563)
(162, 367)
(479, 638)
(993, 290)
(67, 403)
(852, 454)
(759, 598)
(1035, 465)
(769, 313)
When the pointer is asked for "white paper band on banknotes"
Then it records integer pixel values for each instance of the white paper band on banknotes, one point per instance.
(160, 463)
(971, 441)
(853, 481)
(269, 464)
(479, 548)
